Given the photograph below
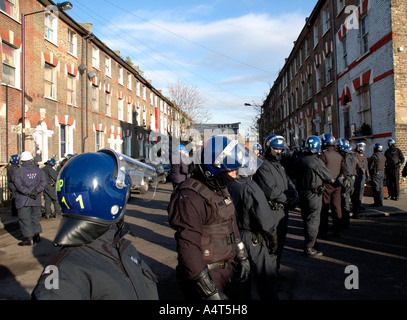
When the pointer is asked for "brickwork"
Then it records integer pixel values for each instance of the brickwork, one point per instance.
(46, 113)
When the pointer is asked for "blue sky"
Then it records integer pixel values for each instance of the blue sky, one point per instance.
(231, 50)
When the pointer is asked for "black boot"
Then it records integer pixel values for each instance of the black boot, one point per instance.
(27, 242)
(36, 238)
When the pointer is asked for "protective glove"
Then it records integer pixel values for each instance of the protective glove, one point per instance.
(243, 267)
(272, 242)
(207, 288)
(33, 195)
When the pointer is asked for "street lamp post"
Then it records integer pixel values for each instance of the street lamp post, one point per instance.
(63, 6)
(261, 120)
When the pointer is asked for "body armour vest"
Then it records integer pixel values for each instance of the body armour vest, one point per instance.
(218, 239)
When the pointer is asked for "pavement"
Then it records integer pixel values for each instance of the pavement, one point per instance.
(367, 262)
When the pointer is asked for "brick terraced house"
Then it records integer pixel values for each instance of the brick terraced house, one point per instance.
(345, 75)
(80, 95)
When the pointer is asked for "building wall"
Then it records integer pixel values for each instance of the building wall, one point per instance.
(371, 70)
(45, 116)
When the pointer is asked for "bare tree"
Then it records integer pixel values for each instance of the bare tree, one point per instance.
(190, 100)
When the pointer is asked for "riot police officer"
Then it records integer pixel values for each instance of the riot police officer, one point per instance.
(203, 215)
(394, 161)
(257, 149)
(362, 174)
(311, 172)
(347, 190)
(332, 196)
(376, 170)
(11, 169)
(30, 182)
(258, 231)
(50, 192)
(278, 188)
(97, 261)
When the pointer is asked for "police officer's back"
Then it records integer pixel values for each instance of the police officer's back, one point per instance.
(278, 188)
(311, 172)
(376, 170)
(258, 231)
(50, 192)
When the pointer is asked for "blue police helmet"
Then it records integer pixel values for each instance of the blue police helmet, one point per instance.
(391, 142)
(328, 139)
(181, 148)
(15, 158)
(313, 144)
(92, 190)
(378, 147)
(220, 154)
(52, 162)
(344, 145)
(257, 146)
(275, 141)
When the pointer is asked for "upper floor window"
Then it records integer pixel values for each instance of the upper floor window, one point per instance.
(51, 27)
(95, 57)
(129, 81)
(10, 7)
(364, 34)
(9, 63)
(70, 90)
(121, 75)
(72, 42)
(49, 81)
(108, 66)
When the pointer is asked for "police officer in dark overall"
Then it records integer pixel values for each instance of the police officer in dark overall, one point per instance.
(202, 213)
(14, 165)
(310, 173)
(376, 170)
(97, 261)
(30, 181)
(278, 188)
(362, 174)
(347, 190)
(394, 161)
(50, 192)
(258, 231)
(180, 166)
(331, 197)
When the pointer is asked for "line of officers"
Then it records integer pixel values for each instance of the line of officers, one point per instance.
(231, 224)
(230, 219)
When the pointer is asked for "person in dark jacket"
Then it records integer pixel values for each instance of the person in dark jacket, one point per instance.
(50, 192)
(362, 175)
(180, 166)
(311, 172)
(97, 260)
(376, 170)
(332, 196)
(258, 231)
(351, 166)
(30, 182)
(394, 161)
(278, 188)
(211, 254)
(11, 169)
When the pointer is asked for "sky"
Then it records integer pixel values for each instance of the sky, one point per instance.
(231, 50)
